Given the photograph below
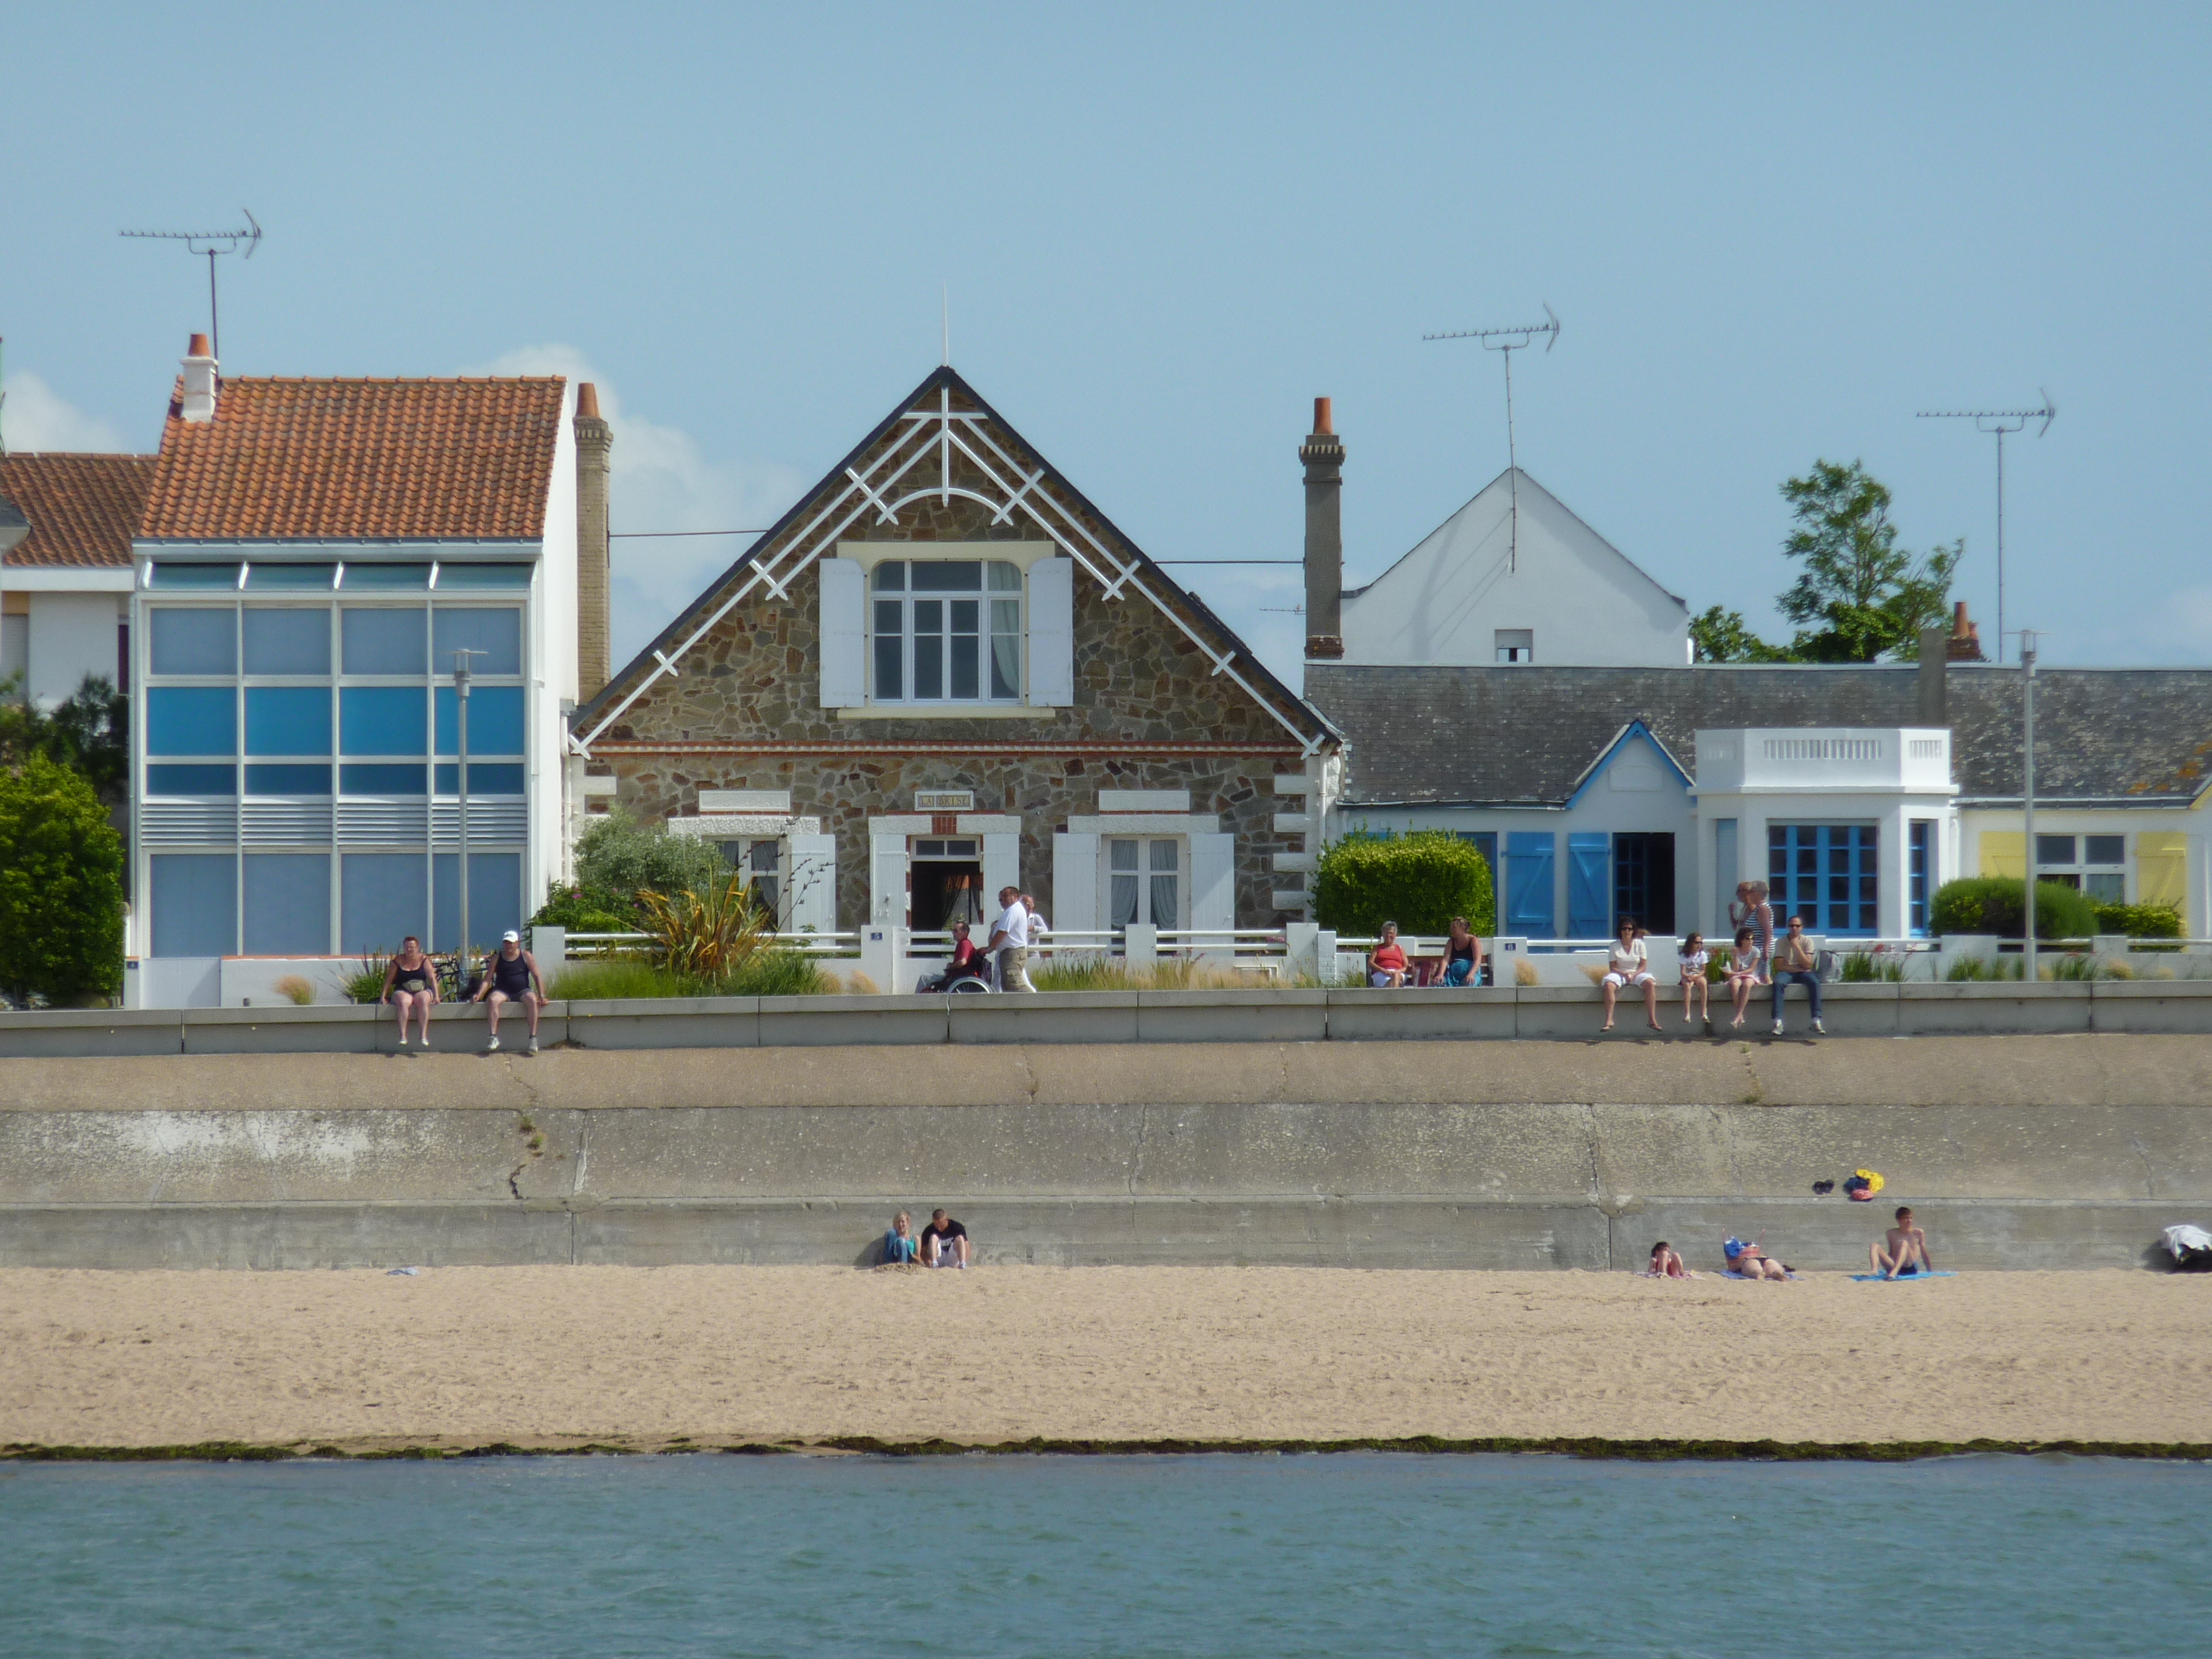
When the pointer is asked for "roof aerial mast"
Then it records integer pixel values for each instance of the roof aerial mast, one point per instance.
(209, 242)
(1506, 342)
(1999, 421)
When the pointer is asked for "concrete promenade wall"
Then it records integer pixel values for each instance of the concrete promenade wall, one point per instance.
(2019, 1151)
(1524, 1013)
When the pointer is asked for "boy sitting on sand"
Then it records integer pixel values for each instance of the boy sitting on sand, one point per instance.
(1906, 1250)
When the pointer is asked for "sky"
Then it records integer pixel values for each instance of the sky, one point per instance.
(1771, 234)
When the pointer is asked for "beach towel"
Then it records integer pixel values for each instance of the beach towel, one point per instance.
(1884, 1278)
(1648, 1273)
(1732, 1273)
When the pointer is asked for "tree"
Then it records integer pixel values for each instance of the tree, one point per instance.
(1865, 595)
(61, 886)
(1719, 635)
(90, 733)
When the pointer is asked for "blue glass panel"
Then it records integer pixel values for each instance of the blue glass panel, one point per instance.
(196, 642)
(494, 721)
(195, 903)
(287, 780)
(494, 899)
(485, 778)
(382, 780)
(496, 633)
(192, 780)
(385, 896)
(484, 576)
(196, 575)
(287, 719)
(288, 904)
(384, 642)
(385, 576)
(192, 720)
(381, 720)
(259, 575)
(287, 641)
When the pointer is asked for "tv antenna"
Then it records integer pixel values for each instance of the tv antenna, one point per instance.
(1999, 421)
(1505, 342)
(211, 243)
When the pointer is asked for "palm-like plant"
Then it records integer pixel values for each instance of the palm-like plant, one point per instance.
(708, 934)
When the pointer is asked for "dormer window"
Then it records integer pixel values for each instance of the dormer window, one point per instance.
(946, 630)
(1516, 644)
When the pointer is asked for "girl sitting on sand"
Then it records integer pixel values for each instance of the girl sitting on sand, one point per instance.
(1742, 972)
(1666, 1263)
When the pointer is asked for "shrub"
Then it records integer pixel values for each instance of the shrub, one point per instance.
(61, 887)
(1864, 967)
(708, 933)
(586, 910)
(1998, 904)
(366, 982)
(770, 974)
(1420, 881)
(294, 990)
(2140, 920)
(617, 858)
(1983, 968)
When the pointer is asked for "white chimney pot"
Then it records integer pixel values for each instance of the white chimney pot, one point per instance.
(199, 381)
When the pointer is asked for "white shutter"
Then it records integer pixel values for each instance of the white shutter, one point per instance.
(1213, 886)
(844, 599)
(813, 885)
(1074, 906)
(1052, 633)
(887, 892)
(1002, 868)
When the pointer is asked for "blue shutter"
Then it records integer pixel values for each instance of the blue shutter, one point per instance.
(1590, 884)
(1528, 883)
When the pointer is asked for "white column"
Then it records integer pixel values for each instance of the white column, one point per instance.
(1891, 914)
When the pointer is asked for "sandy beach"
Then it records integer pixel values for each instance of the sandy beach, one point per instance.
(639, 1356)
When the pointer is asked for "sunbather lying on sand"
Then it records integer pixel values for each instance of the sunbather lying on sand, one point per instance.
(1752, 1262)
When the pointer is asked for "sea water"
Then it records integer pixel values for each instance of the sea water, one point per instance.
(1335, 1554)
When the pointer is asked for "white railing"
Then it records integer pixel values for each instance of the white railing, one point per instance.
(807, 943)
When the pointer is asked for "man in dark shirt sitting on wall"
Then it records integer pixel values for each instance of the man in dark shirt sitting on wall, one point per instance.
(944, 1242)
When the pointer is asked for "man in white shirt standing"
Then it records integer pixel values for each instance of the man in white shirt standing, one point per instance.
(1010, 939)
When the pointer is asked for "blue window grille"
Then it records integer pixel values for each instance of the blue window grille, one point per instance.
(1828, 874)
(1923, 850)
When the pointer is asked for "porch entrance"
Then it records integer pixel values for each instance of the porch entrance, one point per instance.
(947, 880)
(1644, 881)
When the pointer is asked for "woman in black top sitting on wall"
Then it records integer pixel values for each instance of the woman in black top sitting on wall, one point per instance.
(410, 982)
(1463, 955)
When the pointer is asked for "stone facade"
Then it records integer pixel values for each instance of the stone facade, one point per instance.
(743, 708)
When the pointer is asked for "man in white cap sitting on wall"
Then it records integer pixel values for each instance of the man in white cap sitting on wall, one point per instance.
(511, 975)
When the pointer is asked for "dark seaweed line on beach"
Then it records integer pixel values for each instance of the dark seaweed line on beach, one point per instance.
(1711, 1451)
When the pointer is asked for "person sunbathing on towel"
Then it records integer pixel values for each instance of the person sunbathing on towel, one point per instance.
(1903, 1249)
(1752, 1262)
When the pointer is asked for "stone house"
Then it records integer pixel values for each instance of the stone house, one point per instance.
(945, 671)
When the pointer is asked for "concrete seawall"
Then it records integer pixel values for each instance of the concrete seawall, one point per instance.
(2019, 1151)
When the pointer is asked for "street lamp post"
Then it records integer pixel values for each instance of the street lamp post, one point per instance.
(461, 794)
(2027, 971)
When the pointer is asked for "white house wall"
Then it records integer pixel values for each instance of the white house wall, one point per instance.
(71, 635)
(1585, 603)
(553, 670)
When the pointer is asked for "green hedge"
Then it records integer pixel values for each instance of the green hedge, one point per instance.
(1998, 904)
(2140, 920)
(1420, 881)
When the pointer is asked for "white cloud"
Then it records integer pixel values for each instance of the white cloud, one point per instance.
(661, 481)
(36, 418)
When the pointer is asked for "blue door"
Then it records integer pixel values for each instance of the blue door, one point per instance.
(1528, 883)
(1590, 884)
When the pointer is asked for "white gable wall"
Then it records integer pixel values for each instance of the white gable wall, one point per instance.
(1583, 601)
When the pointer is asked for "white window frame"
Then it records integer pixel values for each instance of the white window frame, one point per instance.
(986, 598)
(1144, 841)
(747, 845)
(2082, 869)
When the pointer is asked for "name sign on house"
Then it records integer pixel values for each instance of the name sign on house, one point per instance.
(944, 800)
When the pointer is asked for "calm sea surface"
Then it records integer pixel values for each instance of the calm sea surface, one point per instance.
(1341, 1555)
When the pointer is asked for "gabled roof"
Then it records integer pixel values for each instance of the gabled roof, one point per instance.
(874, 476)
(1635, 732)
(82, 509)
(1526, 735)
(371, 459)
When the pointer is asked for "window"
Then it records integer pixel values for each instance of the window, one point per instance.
(288, 641)
(381, 720)
(494, 721)
(1144, 882)
(287, 719)
(1516, 644)
(1920, 871)
(191, 781)
(382, 641)
(195, 641)
(192, 720)
(388, 780)
(195, 575)
(762, 861)
(383, 897)
(1827, 873)
(323, 576)
(288, 904)
(286, 780)
(485, 778)
(385, 575)
(496, 634)
(933, 642)
(195, 904)
(450, 576)
(2094, 864)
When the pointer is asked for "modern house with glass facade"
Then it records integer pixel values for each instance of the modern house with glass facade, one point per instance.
(313, 558)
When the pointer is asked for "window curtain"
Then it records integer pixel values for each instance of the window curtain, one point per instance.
(1163, 884)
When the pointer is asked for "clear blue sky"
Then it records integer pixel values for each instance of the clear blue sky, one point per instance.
(1773, 234)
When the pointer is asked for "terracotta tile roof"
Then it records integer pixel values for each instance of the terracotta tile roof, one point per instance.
(302, 458)
(82, 509)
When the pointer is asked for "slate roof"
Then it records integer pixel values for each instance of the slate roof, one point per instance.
(81, 509)
(1523, 736)
(369, 458)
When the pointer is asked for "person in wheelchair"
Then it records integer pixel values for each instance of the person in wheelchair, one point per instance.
(967, 963)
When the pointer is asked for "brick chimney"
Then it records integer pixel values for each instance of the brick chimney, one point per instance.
(1323, 455)
(595, 440)
(1964, 644)
(201, 383)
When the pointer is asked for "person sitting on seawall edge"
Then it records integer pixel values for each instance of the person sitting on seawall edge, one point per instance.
(1010, 939)
(1752, 1262)
(1750, 909)
(1694, 958)
(1903, 1249)
(1629, 964)
(901, 1246)
(944, 1242)
(511, 975)
(1743, 971)
(1794, 959)
(1463, 955)
(410, 982)
(1387, 967)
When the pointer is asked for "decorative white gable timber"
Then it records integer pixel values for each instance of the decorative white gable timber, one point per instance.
(910, 460)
